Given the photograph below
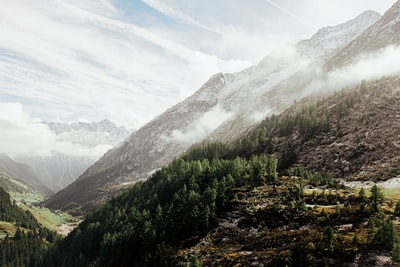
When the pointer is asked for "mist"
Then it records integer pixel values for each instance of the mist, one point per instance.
(374, 65)
(22, 134)
(199, 129)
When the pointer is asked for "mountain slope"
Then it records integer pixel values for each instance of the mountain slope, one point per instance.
(220, 110)
(226, 204)
(385, 32)
(22, 238)
(19, 177)
(352, 135)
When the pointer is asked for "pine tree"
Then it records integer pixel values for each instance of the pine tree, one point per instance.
(396, 252)
(361, 194)
(397, 209)
(376, 198)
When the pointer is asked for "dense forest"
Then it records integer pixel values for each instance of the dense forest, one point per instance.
(179, 204)
(28, 242)
(282, 212)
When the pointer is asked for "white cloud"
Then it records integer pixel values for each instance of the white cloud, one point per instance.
(292, 15)
(23, 135)
(179, 15)
(202, 127)
(363, 68)
(62, 54)
(91, 59)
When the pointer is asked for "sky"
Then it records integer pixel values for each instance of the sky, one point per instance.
(130, 60)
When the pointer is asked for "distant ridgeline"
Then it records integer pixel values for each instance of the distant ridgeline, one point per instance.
(213, 204)
(22, 239)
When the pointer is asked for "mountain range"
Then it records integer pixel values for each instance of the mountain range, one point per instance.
(230, 105)
(293, 162)
(58, 170)
(270, 198)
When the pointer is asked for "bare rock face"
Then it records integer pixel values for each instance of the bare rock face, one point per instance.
(224, 108)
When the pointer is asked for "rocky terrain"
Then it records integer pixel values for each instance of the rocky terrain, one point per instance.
(268, 227)
(383, 33)
(361, 140)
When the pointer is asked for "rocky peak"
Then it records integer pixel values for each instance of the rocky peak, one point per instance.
(329, 40)
(384, 32)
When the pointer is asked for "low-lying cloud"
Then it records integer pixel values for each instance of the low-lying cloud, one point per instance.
(23, 135)
(368, 66)
(199, 129)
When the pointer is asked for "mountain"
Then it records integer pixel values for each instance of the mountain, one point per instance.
(266, 199)
(59, 170)
(18, 177)
(89, 133)
(385, 32)
(224, 108)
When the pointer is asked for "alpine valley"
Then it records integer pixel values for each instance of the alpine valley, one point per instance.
(58, 170)
(292, 162)
(219, 110)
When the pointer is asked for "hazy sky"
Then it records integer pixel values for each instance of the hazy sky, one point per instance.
(129, 60)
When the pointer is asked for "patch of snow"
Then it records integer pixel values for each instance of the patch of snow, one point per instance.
(389, 184)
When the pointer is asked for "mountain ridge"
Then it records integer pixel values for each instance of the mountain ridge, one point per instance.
(218, 110)
(238, 204)
(378, 36)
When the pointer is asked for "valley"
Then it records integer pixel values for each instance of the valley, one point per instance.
(256, 202)
(57, 221)
(294, 161)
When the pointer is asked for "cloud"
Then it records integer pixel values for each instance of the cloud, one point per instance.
(202, 127)
(179, 15)
(61, 54)
(292, 15)
(23, 135)
(113, 59)
(362, 68)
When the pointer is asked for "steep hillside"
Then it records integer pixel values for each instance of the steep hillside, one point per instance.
(22, 239)
(386, 31)
(353, 134)
(18, 177)
(220, 110)
(255, 202)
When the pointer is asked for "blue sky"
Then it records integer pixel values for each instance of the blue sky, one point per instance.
(129, 60)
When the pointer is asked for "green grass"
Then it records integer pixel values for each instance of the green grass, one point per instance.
(45, 217)
(391, 193)
(49, 219)
(30, 198)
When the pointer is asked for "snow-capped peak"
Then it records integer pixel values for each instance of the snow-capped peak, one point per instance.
(328, 40)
